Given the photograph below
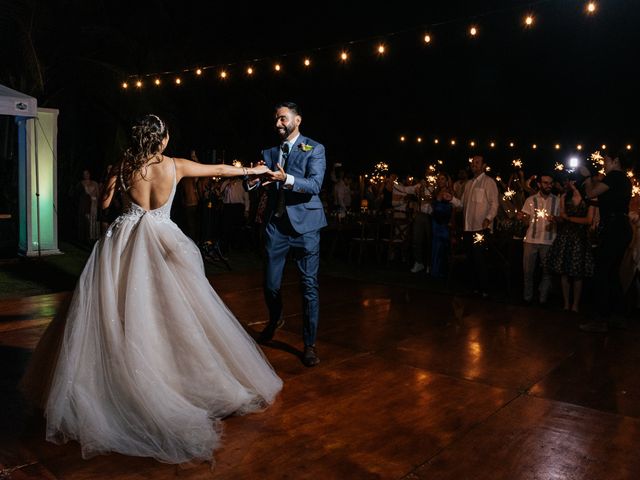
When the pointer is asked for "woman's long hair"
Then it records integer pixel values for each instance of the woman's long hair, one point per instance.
(145, 142)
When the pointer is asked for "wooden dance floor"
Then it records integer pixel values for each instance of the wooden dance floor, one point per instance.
(412, 385)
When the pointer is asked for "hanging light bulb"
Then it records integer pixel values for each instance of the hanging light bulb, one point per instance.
(199, 71)
(223, 74)
(492, 144)
(557, 147)
(307, 62)
(250, 71)
(344, 56)
(178, 81)
(125, 85)
(528, 20)
(473, 31)
(436, 141)
(277, 67)
(591, 7)
(157, 81)
(402, 138)
(139, 84)
(427, 38)
(381, 49)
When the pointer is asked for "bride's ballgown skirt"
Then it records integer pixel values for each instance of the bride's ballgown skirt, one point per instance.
(148, 358)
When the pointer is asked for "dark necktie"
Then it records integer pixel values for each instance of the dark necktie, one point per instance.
(280, 206)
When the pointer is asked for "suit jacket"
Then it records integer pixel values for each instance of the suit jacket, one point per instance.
(307, 164)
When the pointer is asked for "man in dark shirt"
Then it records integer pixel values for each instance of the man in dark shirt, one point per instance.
(614, 194)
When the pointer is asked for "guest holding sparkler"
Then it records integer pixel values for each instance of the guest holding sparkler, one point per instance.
(570, 253)
(614, 194)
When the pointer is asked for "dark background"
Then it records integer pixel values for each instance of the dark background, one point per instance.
(571, 79)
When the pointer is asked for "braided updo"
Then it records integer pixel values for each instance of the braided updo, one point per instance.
(147, 135)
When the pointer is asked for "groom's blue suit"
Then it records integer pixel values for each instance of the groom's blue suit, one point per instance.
(298, 227)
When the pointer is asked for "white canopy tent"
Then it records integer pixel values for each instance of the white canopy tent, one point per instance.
(37, 172)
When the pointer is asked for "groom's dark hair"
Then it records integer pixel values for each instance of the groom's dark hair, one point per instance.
(290, 105)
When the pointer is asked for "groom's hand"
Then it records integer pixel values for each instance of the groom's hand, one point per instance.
(276, 175)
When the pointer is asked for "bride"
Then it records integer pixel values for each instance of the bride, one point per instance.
(148, 358)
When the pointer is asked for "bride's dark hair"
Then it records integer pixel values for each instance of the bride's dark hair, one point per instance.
(145, 142)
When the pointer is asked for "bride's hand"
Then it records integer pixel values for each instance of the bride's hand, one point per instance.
(259, 170)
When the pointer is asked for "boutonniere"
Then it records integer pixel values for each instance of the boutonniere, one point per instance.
(305, 148)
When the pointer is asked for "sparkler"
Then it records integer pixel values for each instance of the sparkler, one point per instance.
(478, 238)
(508, 194)
(517, 163)
(559, 167)
(541, 213)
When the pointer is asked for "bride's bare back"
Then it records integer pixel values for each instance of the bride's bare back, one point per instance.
(151, 186)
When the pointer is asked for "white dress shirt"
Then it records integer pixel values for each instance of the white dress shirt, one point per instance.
(479, 202)
(539, 209)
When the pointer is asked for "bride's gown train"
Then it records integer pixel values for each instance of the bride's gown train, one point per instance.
(149, 358)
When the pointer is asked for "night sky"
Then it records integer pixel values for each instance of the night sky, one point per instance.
(570, 79)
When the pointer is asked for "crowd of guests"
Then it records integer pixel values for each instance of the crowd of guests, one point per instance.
(573, 226)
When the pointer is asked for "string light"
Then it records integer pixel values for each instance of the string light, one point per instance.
(250, 71)
(603, 146)
(472, 143)
(436, 141)
(223, 74)
(492, 144)
(139, 84)
(511, 144)
(125, 85)
(453, 142)
(277, 67)
(157, 81)
(557, 147)
(534, 146)
(473, 30)
(402, 139)
(628, 147)
(178, 81)
(579, 147)
(419, 139)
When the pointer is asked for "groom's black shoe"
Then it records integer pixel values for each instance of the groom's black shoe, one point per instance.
(310, 357)
(269, 331)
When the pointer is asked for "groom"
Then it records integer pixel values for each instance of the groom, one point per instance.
(294, 216)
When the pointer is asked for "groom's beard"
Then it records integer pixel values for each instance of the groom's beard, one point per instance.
(284, 131)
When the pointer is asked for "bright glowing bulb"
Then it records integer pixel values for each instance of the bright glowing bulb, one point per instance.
(223, 74)
(579, 147)
(472, 143)
(492, 144)
(381, 49)
(603, 147)
(534, 146)
(511, 144)
(157, 81)
(453, 142)
(473, 31)
(436, 141)
(199, 71)
(402, 138)
(528, 21)
(628, 147)
(249, 71)
(344, 56)
(591, 7)
(178, 81)
(138, 84)
(427, 38)
(419, 139)
(307, 62)
(557, 147)
(125, 85)
(573, 162)
(277, 67)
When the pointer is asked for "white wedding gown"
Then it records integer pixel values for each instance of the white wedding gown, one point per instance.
(149, 358)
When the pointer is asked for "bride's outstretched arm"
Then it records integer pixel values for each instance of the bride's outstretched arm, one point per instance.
(187, 168)
(107, 193)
